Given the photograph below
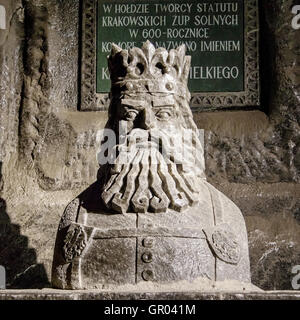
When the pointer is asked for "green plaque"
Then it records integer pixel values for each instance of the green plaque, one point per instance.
(213, 33)
(221, 36)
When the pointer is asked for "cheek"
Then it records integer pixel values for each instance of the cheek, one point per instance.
(170, 126)
(125, 127)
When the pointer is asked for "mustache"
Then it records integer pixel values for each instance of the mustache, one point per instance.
(139, 138)
(172, 146)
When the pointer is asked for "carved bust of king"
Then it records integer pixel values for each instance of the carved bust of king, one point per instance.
(151, 219)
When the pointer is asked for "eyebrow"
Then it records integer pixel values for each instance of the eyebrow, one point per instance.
(137, 104)
(163, 107)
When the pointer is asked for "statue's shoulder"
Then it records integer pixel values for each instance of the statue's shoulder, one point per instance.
(224, 207)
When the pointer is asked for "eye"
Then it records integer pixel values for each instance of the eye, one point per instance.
(163, 115)
(130, 115)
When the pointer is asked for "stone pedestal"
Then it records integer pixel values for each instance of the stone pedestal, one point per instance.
(50, 294)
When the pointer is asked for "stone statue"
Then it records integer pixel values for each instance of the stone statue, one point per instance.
(151, 219)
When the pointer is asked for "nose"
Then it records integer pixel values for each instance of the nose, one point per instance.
(148, 119)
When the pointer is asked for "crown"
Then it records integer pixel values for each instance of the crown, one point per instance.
(149, 70)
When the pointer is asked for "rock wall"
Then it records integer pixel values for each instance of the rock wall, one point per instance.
(48, 148)
(254, 156)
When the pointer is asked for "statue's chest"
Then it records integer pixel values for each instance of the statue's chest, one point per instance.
(134, 249)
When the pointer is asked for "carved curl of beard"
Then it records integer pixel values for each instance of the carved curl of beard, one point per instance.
(147, 177)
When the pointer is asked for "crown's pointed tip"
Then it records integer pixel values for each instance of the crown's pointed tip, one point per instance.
(182, 49)
(148, 49)
(148, 44)
(115, 49)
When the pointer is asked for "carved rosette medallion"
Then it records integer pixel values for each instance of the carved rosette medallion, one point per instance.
(224, 244)
(74, 243)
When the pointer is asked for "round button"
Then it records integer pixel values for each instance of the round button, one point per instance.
(148, 242)
(129, 86)
(169, 86)
(148, 275)
(147, 257)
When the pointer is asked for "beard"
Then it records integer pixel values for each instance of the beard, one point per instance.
(151, 173)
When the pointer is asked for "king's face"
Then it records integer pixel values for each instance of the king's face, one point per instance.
(148, 112)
